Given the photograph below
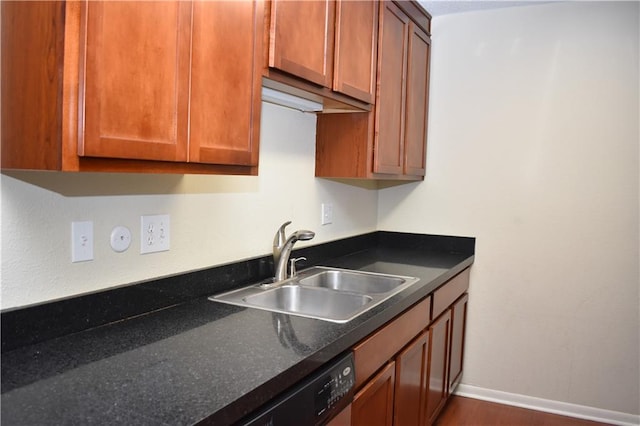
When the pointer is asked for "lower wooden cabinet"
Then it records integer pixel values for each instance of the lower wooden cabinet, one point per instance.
(373, 404)
(437, 389)
(456, 351)
(409, 383)
(411, 376)
(343, 418)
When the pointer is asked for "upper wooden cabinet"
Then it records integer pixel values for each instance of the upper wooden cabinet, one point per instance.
(417, 102)
(136, 80)
(132, 86)
(301, 39)
(226, 82)
(356, 47)
(325, 47)
(388, 150)
(388, 143)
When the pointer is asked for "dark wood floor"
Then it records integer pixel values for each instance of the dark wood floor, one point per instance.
(461, 411)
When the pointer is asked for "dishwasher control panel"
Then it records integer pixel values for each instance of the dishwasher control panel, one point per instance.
(336, 384)
(313, 401)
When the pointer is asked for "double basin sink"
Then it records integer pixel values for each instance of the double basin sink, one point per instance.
(329, 294)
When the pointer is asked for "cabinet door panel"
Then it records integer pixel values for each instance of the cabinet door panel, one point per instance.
(373, 405)
(136, 80)
(438, 354)
(225, 82)
(411, 375)
(458, 325)
(356, 45)
(389, 126)
(343, 418)
(301, 39)
(417, 102)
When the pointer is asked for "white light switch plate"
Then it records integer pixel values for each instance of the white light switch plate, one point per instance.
(81, 241)
(155, 233)
(327, 213)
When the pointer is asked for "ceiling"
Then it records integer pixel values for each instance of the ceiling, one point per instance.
(445, 7)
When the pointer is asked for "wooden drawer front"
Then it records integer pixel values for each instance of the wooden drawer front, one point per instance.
(449, 292)
(373, 352)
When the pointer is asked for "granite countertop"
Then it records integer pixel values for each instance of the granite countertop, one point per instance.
(202, 361)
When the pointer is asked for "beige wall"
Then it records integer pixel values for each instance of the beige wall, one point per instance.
(533, 149)
(214, 219)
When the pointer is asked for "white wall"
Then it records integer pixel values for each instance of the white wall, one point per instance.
(533, 149)
(214, 219)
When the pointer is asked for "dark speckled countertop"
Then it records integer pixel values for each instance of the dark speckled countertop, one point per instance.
(194, 360)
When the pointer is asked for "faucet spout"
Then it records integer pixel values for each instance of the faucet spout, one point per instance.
(278, 242)
(282, 249)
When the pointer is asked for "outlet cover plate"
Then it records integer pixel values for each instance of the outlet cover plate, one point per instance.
(155, 233)
(81, 241)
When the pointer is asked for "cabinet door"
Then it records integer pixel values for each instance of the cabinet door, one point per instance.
(225, 82)
(356, 45)
(301, 39)
(456, 353)
(411, 376)
(438, 357)
(343, 418)
(389, 121)
(373, 405)
(415, 137)
(136, 80)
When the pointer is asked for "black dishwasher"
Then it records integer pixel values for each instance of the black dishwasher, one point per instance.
(312, 402)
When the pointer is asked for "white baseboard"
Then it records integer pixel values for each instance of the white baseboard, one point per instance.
(549, 406)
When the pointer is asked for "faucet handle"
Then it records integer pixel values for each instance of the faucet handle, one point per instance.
(293, 265)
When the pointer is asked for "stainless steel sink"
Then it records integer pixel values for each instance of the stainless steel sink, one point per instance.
(352, 281)
(329, 294)
(309, 301)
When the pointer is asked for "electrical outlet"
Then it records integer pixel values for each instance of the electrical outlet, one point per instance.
(81, 241)
(327, 213)
(155, 233)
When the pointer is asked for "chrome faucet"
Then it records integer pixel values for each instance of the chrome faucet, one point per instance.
(282, 249)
